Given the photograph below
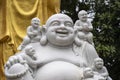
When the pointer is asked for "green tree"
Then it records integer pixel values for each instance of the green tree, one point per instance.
(106, 29)
(106, 34)
(72, 7)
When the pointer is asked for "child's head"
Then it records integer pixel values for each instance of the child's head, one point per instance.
(88, 73)
(98, 63)
(29, 50)
(35, 22)
(82, 15)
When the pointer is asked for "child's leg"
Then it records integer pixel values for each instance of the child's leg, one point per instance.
(89, 38)
(26, 41)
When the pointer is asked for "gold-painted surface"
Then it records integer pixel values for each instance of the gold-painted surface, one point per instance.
(15, 17)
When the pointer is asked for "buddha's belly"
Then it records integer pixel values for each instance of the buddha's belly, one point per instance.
(59, 70)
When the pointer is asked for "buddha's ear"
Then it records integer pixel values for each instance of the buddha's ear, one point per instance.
(44, 29)
(43, 40)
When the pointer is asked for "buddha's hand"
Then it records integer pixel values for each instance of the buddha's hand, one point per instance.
(13, 60)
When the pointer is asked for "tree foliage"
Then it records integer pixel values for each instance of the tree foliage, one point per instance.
(106, 29)
(72, 7)
(106, 34)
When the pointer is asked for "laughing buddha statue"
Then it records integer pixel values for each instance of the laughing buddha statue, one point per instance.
(53, 57)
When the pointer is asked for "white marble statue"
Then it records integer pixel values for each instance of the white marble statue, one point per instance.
(100, 69)
(29, 57)
(83, 39)
(83, 28)
(88, 74)
(52, 57)
(34, 33)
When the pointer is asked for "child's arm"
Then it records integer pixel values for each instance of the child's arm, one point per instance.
(105, 72)
(31, 62)
(29, 32)
(78, 41)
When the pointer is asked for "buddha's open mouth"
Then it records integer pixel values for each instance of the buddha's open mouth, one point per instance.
(62, 32)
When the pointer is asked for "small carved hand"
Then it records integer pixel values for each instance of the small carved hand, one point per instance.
(13, 60)
(35, 32)
(96, 73)
(78, 28)
(86, 27)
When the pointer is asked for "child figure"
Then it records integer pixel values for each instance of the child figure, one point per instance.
(34, 33)
(100, 69)
(83, 28)
(30, 59)
(88, 74)
(84, 45)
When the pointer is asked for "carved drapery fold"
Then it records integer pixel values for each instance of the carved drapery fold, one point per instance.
(15, 17)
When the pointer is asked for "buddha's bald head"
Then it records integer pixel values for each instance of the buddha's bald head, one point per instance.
(58, 17)
(60, 30)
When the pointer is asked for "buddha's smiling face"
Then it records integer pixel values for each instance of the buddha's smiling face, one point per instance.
(60, 30)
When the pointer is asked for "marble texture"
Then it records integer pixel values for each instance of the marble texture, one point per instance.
(55, 56)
